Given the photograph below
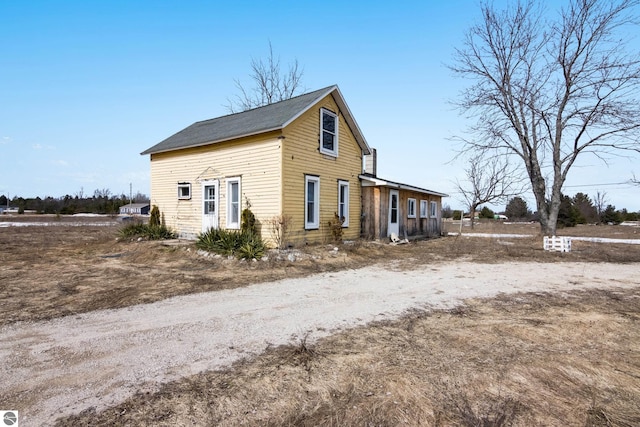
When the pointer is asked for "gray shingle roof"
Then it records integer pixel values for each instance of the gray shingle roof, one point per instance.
(252, 122)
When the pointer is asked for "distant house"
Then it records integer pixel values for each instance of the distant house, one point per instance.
(301, 159)
(10, 210)
(135, 209)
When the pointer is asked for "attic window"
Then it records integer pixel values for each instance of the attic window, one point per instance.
(328, 132)
(184, 191)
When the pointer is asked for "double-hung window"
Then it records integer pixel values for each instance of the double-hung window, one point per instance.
(311, 202)
(328, 132)
(423, 209)
(233, 203)
(343, 202)
(411, 208)
(434, 209)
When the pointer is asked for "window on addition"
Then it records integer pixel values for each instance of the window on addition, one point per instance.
(434, 209)
(411, 208)
(423, 209)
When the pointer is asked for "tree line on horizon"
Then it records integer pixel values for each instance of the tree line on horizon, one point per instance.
(101, 202)
(579, 209)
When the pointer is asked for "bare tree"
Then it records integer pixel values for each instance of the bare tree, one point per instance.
(488, 179)
(549, 91)
(601, 202)
(271, 84)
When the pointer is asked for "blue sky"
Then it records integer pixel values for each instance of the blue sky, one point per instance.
(85, 86)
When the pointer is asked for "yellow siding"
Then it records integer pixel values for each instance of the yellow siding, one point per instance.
(301, 156)
(255, 159)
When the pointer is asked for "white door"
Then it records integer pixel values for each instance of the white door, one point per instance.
(394, 213)
(210, 196)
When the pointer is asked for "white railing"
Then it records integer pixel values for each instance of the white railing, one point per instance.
(557, 243)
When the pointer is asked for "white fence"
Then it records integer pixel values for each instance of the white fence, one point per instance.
(559, 244)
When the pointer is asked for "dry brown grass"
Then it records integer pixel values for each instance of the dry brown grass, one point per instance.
(48, 272)
(532, 359)
(523, 360)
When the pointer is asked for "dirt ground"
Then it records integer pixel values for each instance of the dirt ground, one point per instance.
(522, 360)
(531, 359)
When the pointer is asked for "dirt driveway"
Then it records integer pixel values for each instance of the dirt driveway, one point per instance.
(97, 359)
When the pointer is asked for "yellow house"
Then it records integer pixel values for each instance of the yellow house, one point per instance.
(300, 158)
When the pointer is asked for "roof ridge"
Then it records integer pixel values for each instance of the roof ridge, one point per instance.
(268, 105)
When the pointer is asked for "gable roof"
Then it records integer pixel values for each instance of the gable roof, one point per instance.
(259, 120)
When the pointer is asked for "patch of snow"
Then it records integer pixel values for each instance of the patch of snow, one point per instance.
(519, 236)
(607, 240)
(493, 236)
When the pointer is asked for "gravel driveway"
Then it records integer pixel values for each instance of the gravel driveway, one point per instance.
(59, 367)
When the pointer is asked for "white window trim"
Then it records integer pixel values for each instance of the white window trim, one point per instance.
(434, 210)
(182, 185)
(316, 208)
(411, 202)
(424, 206)
(341, 184)
(233, 225)
(323, 150)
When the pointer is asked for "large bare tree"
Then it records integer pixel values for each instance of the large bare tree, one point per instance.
(270, 84)
(550, 90)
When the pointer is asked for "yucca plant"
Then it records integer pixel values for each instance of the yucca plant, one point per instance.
(252, 247)
(244, 245)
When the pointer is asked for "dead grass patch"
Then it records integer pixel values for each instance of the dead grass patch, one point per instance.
(47, 272)
(520, 360)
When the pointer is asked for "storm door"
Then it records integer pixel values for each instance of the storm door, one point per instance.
(210, 190)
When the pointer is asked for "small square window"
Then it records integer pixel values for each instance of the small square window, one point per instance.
(184, 191)
(411, 208)
(328, 132)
